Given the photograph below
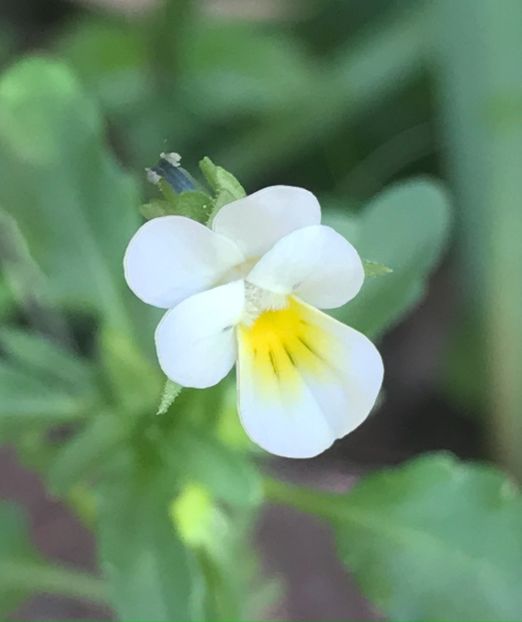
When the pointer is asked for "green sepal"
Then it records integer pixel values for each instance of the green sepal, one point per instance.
(170, 393)
(192, 204)
(221, 181)
(167, 191)
(155, 208)
(374, 268)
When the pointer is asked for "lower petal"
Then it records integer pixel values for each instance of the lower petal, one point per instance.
(304, 380)
(195, 341)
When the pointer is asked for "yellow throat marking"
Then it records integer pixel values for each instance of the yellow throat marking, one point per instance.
(282, 344)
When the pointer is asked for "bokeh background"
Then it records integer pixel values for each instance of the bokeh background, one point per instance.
(343, 97)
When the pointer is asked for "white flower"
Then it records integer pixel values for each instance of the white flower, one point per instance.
(246, 292)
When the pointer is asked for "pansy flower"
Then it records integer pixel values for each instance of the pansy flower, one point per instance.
(246, 291)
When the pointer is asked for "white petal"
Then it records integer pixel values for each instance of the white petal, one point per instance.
(304, 380)
(259, 220)
(172, 257)
(196, 342)
(315, 263)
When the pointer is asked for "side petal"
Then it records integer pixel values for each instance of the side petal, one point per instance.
(172, 257)
(195, 341)
(304, 380)
(260, 219)
(315, 263)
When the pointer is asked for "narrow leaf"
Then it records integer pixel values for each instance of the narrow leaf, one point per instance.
(40, 356)
(27, 397)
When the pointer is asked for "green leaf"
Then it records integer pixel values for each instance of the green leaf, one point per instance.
(120, 63)
(85, 454)
(272, 71)
(220, 180)
(25, 282)
(407, 227)
(436, 540)
(199, 457)
(111, 58)
(170, 393)
(150, 574)
(74, 205)
(135, 382)
(374, 268)
(31, 398)
(366, 71)
(40, 356)
(41, 382)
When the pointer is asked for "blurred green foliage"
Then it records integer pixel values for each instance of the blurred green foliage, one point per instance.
(484, 134)
(406, 227)
(23, 571)
(410, 535)
(342, 103)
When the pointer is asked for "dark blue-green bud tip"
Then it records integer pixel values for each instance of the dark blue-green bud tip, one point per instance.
(169, 169)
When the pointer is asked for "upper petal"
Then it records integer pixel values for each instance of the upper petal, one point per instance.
(172, 257)
(195, 341)
(260, 219)
(304, 380)
(315, 263)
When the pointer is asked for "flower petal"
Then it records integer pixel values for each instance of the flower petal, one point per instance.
(304, 380)
(260, 219)
(315, 263)
(172, 257)
(195, 341)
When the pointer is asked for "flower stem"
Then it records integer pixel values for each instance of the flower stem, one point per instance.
(40, 577)
(317, 502)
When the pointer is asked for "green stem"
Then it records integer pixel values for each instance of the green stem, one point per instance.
(308, 500)
(51, 579)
